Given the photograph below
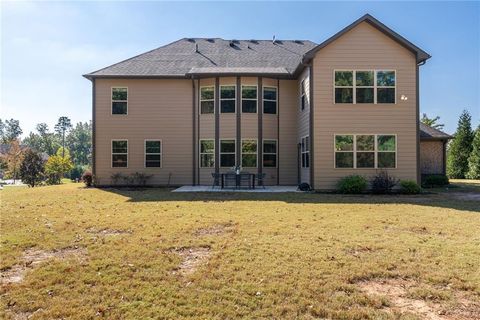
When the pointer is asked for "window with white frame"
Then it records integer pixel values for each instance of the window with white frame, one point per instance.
(207, 100)
(227, 99)
(207, 153)
(249, 153)
(365, 151)
(227, 153)
(153, 154)
(119, 153)
(249, 99)
(119, 100)
(305, 152)
(365, 86)
(303, 94)
(270, 153)
(270, 100)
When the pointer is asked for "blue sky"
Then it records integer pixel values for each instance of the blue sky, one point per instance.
(47, 46)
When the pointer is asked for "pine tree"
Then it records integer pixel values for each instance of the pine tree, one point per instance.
(460, 148)
(474, 159)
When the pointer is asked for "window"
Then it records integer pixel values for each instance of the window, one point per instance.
(270, 153)
(249, 153)
(207, 153)
(365, 151)
(207, 100)
(153, 154)
(270, 100)
(227, 99)
(305, 151)
(227, 153)
(249, 99)
(365, 86)
(119, 153)
(119, 100)
(304, 96)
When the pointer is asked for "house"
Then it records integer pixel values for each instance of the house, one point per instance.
(433, 150)
(292, 109)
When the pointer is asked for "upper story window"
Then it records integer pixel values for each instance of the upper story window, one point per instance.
(305, 151)
(365, 151)
(270, 100)
(227, 99)
(207, 100)
(365, 86)
(119, 100)
(207, 153)
(270, 153)
(249, 99)
(153, 154)
(303, 94)
(227, 153)
(119, 153)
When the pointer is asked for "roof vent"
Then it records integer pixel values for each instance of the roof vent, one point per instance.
(254, 41)
(235, 41)
(211, 40)
(298, 41)
(273, 40)
(191, 40)
(196, 47)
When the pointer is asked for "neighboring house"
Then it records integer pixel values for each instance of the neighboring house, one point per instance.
(433, 150)
(294, 110)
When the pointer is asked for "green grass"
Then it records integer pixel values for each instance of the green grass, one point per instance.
(283, 255)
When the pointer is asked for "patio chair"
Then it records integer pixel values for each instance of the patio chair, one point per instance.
(230, 180)
(260, 178)
(245, 180)
(216, 180)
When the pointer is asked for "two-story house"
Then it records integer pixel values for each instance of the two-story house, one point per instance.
(294, 110)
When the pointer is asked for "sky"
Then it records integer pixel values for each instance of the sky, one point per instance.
(47, 46)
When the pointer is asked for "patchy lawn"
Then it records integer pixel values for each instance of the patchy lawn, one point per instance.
(77, 253)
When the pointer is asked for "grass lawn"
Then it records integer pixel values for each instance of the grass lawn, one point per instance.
(78, 253)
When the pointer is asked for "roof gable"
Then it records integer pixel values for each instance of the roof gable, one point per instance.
(429, 133)
(421, 55)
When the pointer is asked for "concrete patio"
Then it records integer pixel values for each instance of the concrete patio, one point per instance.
(275, 189)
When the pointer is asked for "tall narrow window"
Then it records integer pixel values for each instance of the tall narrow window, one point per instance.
(119, 153)
(119, 100)
(270, 153)
(207, 153)
(387, 147)
(364, 86)
(344, 151)
(305, 151)
(386, 86)
(249, 153)
(227, 99)
(303, 94)
(153, 154)
(249, 99)
(207, 100)
(227, 153)
(343, 86)
(270, 100)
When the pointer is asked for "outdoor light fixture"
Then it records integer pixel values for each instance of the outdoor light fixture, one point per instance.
(403, 97)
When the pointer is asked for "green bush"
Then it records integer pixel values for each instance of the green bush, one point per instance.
(410, 187)
(77, 172)
(435, 180)
(352, 184)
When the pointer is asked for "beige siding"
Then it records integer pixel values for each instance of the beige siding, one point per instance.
(363, 47)
(157, 109)
(287, 146)
(431, 157)
(303, 117)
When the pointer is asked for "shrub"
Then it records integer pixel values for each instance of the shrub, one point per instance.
(352, 184)
(383, 182)
(116, 177)
(77, 172)
(87, 178)
(56, 167)
(410, 187)
(140, 178)
(435, 180)
(31, 169)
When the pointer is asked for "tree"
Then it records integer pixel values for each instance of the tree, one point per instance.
(10, 130)
(63, 125)
(460, 148)
(33, 141)
(79, 142)
(56, 167)
(432, 122)
(13, 158)
(32, 167)
(50, 142)
(474, 158)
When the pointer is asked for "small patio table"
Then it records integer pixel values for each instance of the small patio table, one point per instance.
(238, 179)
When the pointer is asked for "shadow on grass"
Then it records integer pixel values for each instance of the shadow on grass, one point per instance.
(440, 198)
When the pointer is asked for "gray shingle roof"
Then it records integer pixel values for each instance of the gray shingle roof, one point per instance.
(429, 133)
(180, 58)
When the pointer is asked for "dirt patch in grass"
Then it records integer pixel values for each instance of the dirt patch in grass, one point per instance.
(32, 258)
(215, 230)
(396, 291)
(192, 259)
(108, 232)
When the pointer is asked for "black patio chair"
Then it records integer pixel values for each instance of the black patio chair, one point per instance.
(230, 179)
(260, 178)
(216, 180)
(245, 180)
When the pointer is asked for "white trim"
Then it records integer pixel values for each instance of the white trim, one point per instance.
(276, 153)
(229, 99)
(200, 99)
(302, 152)
(241, 98)
(220, 151)
(376, 151)
(145, 153)
(111, 152)
(241, 152)
(200, 153)
(276, 99)
(112, 101)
